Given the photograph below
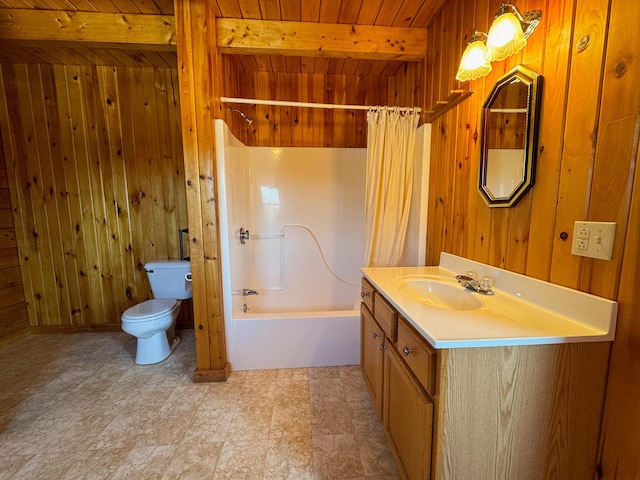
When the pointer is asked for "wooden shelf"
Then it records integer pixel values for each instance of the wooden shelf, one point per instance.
(443, 106)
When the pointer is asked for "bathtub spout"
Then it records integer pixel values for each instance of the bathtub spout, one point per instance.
(248, 291)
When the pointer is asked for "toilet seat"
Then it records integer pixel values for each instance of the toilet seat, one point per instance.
(149, 309)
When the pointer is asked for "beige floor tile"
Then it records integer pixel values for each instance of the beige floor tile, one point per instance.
(77, 406)
(243, 459)
(336, 456)
(331, 418)
(261, 376)
(29, 437)
(78, 434)
(221, 394)
(184, 399)
(11, 464)
(209, 425)
(257, 393)
(148, 463)
(291, 421)
(250, 423)
(289, 458)
(96, 464)
(46, 466)
(194, 462)
(326, 390)
(375, 455)
(364, 417)
(292, 374)
(324, 373)
(292, 392)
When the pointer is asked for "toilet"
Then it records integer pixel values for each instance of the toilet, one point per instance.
(153, 321)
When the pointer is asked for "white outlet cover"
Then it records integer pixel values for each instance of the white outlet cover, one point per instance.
(600, 241)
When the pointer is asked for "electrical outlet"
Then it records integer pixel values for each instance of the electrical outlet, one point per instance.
(593, 239)
(583, 233)
(582, 244)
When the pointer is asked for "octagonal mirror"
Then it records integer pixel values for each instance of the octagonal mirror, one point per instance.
(509, 137)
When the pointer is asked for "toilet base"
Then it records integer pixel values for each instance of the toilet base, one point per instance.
(155, 349)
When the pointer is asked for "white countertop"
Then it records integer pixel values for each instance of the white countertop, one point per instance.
(522, 311)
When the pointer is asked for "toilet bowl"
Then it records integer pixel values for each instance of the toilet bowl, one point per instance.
(153, 321)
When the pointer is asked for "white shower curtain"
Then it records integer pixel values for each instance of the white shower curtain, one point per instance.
(391, 156)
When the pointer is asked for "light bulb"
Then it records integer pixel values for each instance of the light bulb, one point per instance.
(505, 37)
(473, 63)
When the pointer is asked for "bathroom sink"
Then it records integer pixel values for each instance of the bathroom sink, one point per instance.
(439, 293)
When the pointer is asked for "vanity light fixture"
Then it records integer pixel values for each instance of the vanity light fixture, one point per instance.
(474, 63)
(509, 31)
(507, 36)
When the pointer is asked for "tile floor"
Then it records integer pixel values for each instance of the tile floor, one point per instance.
(75, 406)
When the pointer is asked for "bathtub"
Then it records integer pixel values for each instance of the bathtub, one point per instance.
(295, 339)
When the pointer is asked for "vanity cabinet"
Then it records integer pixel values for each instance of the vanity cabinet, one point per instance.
(522, 411)
(371, 355)
(398, 368)
(407, 418)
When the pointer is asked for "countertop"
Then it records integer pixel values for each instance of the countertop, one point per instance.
(522, 311)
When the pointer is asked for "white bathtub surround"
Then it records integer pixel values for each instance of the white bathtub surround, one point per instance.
(303, 210)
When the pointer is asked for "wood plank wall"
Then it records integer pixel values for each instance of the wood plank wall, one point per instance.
(308, 127)
(95, 169)
(13, 310)
(586, 170)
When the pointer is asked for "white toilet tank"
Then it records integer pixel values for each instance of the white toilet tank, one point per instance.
(170, 278)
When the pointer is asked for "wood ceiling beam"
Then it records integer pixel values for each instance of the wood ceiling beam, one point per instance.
(117, 30)
(310, 39)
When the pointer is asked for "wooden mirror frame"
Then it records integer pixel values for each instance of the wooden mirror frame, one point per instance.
(520, 75)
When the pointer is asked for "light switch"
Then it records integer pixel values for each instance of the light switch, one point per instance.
(593, 239)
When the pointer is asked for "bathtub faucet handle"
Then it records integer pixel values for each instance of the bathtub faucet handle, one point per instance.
(243, 235)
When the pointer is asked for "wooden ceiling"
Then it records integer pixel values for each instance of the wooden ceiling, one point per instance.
(415, 14)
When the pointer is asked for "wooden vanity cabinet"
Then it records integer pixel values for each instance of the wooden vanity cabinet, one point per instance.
(408, 418)
(398, 368)
(529, 412)
(372, 355)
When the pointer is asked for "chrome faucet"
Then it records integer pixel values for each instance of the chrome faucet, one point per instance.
(248, 291)
(482, 286)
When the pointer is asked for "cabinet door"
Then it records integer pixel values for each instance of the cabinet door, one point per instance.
(408, 419)
(371, 355)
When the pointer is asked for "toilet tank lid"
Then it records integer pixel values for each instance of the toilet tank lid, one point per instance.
(166, 264)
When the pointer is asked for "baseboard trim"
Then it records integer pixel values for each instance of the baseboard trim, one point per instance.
(221, 375)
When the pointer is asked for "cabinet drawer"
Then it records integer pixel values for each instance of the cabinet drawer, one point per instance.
(419, 355)
(386, 316)
(367, 293)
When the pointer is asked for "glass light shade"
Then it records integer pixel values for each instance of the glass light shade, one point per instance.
(473, 63)
(505, 37)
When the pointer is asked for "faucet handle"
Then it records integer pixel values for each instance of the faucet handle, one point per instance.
(472, 274)
(486, 283)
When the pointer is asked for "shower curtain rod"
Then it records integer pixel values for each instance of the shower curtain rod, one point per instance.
(332, 106)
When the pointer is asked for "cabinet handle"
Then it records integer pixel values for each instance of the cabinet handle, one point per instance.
(383, 346)
(406, 351)
(376, 334)
(364, 294)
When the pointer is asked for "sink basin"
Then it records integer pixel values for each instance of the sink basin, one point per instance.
(439, 293)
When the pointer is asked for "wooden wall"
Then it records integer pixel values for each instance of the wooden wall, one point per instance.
(586, 170)
(13, 311)
(307, 127)
(95, 169)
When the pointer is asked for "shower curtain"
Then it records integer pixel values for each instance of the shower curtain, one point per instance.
(391, 156)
